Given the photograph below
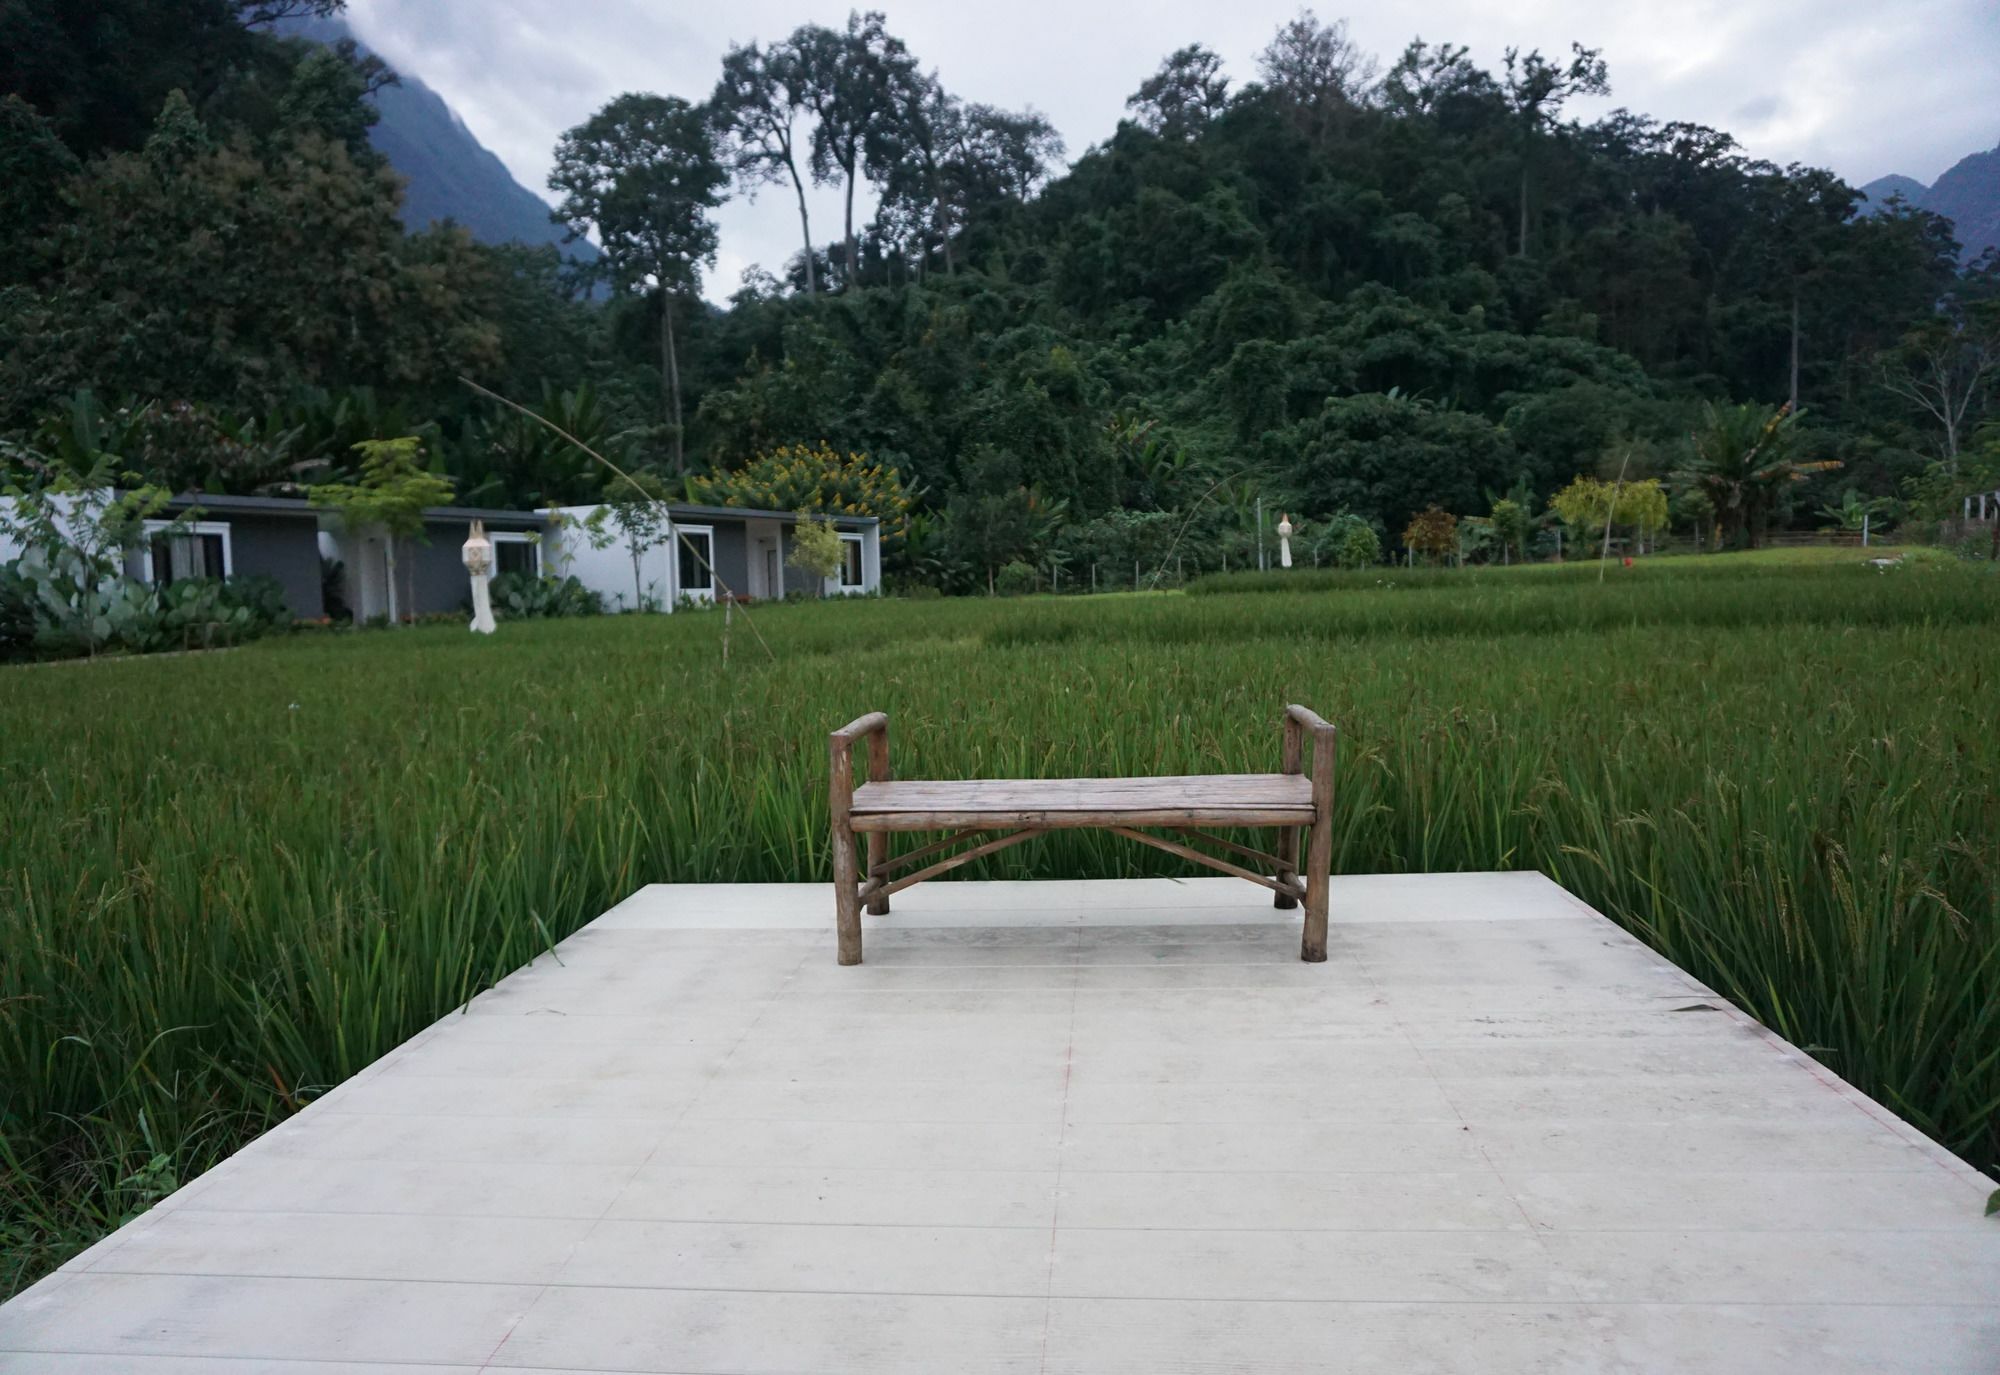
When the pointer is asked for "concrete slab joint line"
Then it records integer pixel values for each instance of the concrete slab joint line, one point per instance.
(1064, 1127)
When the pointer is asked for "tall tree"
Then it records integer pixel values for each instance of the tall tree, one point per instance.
(1186, 92)
(213, 270)
(1317, 71)
(1537, 89)
(1802, 211)
(643, 172)
(1429, 77)
(1005, 154)
(101, 70)
(756, 106)
(1945, 367)
(909, 152)
(846, 76)
(34, 165)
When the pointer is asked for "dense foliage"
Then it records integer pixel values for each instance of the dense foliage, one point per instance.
(1355, 292)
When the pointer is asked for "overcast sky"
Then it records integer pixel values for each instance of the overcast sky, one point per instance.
(1865, 87)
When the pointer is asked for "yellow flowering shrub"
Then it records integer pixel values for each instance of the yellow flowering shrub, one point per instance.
(814, 478)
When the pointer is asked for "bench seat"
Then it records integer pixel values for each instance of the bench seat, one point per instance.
(1228, 799)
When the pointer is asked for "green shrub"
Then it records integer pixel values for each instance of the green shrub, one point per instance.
(1015, 579)
(17, 613)
(1359, 547)
(518, 597)
(134, 617)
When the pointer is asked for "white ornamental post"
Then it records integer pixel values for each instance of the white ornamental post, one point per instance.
(1284, 540)
(478, 558)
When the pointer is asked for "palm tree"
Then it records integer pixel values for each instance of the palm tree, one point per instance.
(1742, 460)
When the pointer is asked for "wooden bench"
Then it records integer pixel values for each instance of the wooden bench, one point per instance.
(1022, 808)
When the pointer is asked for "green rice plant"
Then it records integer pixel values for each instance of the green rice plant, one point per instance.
(230, 881)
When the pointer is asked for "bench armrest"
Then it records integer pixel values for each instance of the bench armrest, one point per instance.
(1299, 723)
(874, 728)
(1308, 719)
(861, 725)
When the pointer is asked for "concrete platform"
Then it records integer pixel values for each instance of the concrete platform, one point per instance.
(1069, 1127)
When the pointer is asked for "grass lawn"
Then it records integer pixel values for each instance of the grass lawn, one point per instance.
(230, 880)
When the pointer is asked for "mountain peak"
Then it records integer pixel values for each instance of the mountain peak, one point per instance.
(1968, 195)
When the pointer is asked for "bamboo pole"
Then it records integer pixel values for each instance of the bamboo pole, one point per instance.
(665, 510)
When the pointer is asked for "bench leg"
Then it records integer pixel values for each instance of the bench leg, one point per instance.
(1319, 849)
(1288, 866)
(878, 854)
(878, 841)
(846, 896)
(1319, 859)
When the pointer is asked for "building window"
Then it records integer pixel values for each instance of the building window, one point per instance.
(850, 563)
(199, 550)
(514, 552)
(694, 547)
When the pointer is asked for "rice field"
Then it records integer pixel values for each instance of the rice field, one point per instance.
(228, 881)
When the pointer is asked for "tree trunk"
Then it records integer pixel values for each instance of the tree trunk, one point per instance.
(1795, 348)
(389, 565)
(944, 235)
(853, 253)
(638, 595)
(805, 229)
(1522, 251)
(671, 370)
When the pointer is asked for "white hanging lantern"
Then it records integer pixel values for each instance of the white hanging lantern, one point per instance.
(477, 555)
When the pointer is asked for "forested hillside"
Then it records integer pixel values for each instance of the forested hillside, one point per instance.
(1351, 287)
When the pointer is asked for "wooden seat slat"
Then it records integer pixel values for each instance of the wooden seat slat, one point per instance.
(1250, 799)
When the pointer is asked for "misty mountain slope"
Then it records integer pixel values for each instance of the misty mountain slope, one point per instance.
(450, 173)
(1968, 195)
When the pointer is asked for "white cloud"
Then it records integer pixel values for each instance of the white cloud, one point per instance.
(1863, 87)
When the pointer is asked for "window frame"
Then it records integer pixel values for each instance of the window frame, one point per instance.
(860, 543)
(697, 594)
(152, 531)
(500, 537)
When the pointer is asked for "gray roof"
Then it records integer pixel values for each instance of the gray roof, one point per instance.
(246, 506)
(752, 513)
(299, 506)
(485, 513)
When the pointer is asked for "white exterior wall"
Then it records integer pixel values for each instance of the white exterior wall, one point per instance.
(66, 506)
(65, 509)
(567, 553)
